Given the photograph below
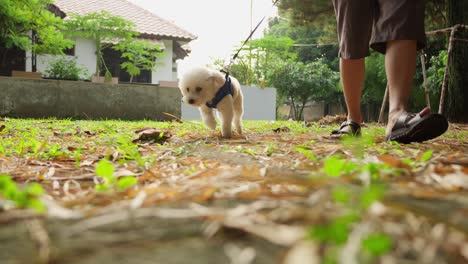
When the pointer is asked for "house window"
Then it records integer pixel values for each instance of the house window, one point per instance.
(70, 51)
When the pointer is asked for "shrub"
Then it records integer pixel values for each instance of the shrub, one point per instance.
(66, 69)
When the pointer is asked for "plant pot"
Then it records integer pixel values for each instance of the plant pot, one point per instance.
(102, 79)
(27, 75)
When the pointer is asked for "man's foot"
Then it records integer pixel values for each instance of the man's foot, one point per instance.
(416, 127)
(347, 128)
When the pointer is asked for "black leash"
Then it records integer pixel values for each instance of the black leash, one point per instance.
(226, 89)
(227, 67)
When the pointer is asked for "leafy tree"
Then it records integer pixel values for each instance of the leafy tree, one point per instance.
(19, 18)
(104, 28)
(266, 53)
(140, 54)
(301, 83)
(308, 42)
(259, 57)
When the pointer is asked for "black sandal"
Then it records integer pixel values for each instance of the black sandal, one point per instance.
(418, 127)
(347, 128)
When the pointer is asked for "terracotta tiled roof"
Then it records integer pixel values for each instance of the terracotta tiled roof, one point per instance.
(148, 24)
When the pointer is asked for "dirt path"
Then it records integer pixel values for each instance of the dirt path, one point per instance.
(267, 197)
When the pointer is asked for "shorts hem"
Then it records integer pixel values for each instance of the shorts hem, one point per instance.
(353, 56)
(380, 44)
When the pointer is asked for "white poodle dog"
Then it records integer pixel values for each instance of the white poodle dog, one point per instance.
(209, 89)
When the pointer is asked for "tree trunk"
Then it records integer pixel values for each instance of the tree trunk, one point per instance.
(293, 108)
(457, 92)
(301, 112)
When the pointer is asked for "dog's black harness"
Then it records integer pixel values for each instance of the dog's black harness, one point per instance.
(225, 90)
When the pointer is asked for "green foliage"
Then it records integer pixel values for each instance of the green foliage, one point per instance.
(23, 198)
(306, 152)
(308, 43)
(126, 182)
(106, 170)
(312, 13)
(259, 59)
(107, 76)
(358, 145)
(104, 28)
(426, 156)
(19, 18)
(335, 166)
(377, 244)
(353, 203)
(376, 80)
(341, 195)
(66, 69)
(140, 55)
(435, 74)
(336, 231)
(374, 192)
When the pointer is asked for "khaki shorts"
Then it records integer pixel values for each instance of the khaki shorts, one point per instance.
(374, 22)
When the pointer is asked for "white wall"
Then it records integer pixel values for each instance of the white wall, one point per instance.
(85, 53)
(164, 69)
(259, 104)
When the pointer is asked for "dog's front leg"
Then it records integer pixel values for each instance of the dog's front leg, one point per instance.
(208, 117)
(226, 113)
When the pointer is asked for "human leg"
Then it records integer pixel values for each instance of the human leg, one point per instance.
(399, 33)
(352, 73)
(400, 65)
(354, 26)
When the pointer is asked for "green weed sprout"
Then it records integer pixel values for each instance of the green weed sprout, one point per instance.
(106, 170)
(26, 197)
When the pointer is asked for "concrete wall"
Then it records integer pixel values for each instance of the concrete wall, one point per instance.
(51, 98)
(259, 104)
(313, 111)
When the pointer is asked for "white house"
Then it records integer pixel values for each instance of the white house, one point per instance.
(150, 26)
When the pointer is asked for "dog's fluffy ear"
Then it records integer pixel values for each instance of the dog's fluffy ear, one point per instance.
(216, 78)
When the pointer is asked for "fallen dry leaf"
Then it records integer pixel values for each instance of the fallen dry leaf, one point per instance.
(282, 129)
(152, 134)
(328, 120)
(443, 169)
(394, 162)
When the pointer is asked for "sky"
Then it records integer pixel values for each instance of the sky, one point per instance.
(220, 25)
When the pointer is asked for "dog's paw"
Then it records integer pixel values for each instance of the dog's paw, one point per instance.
(239, 130)
(226, 135)
(226, 132)
(210, 123)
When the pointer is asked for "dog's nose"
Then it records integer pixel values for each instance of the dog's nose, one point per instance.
(191, 101)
